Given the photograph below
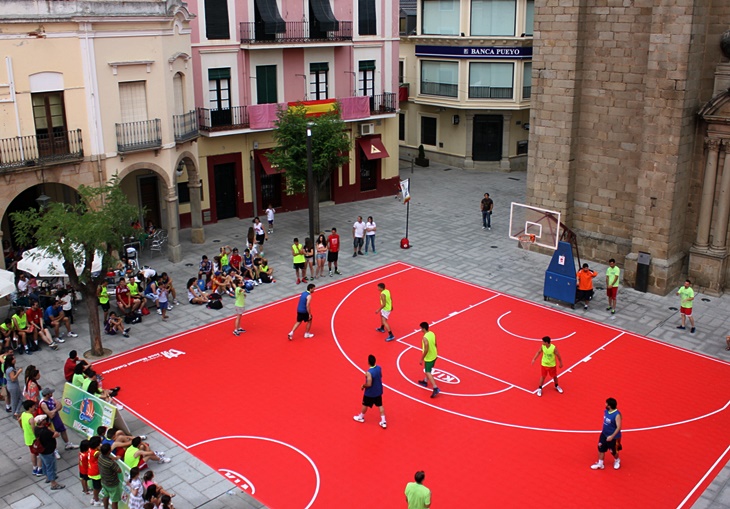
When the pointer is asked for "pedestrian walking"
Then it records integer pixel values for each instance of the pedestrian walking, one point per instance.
(612, 277)
(610, 439)
(686, 297)
(304, 312)
(240, 304)
(547, 364)
(297, 252)
(417, 495)
(333, 246)
(370, 228)
(270, 218)
(585, 285)
(373, 392)
(386, 307)
(358, 234)
(429, 354)
(486, 206)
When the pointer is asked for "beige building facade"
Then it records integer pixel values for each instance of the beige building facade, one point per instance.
(627, 134)
(94, 88)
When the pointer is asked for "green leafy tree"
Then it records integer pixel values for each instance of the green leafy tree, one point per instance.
(330, 149)
(98, 223)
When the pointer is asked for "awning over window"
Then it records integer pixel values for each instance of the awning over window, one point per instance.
(269, 12)
(373, 148)
(325, 17)
(266, 164)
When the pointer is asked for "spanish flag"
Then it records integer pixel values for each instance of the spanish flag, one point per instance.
(315, 108)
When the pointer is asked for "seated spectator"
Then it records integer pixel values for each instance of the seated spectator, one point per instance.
(195, 296)
(205, 270)
(22, 285)
(249, 270)
(117, 438)
(134, 291)
(224, 258)
(126, 305)
(20, 325)
(7, 334)
(266, 273)
(150, 228)
(66, 298)
(115, 325)
(222, 284)
(79, 378)
(150, 291)
(153, 492)
(104, 394)
(70, 365)
(166, 280)
(35, 323)
(217, 264)
(54, 317)
(257, 267)
(235, 260)
(138, 453)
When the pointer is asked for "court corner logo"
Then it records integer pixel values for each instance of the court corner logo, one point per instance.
(445, 377)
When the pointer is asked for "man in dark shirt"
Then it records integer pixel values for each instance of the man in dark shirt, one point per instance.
(487, 205)
(47, 438)
(109, 470)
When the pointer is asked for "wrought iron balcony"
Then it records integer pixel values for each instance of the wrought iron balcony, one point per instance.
(185, 126)
(223, 119)
(57, 147)
(386, 102)
(295, 32)
(136, 136)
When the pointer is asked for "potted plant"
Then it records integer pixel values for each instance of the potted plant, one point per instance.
(421, 160)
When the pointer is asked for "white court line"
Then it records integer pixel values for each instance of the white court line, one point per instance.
(279, 442)
(129, 409)
(689, 495)
(490, 421)
(499, 323)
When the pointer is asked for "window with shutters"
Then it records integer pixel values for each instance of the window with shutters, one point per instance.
(219, 96)
(367, 18)
(318, 80)
(266, 84)
(366, 77)
(133, 99)
(216, 19)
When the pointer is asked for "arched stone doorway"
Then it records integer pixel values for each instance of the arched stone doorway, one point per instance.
(189, 196)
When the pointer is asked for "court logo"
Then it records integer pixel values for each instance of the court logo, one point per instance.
(445, 377)
(238, 480)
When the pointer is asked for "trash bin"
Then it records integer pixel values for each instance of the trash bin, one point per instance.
(642, 272)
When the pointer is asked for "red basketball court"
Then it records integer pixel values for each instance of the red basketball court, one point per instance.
(275, 416)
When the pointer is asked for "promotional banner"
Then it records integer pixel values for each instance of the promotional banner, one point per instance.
(405, 189)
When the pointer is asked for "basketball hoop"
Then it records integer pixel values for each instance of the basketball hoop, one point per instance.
(526, 239)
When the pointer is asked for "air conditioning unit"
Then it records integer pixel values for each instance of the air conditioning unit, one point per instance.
(367, 129)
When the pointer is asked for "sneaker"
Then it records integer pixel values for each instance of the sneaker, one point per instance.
(616, 464)
(119, 407)
(390, 338)
(37, 472)
(338, 272)
(681, 327)
(598, 465)
(54, 346)
(360, 253)
(359, 418)
(71, 445)
(290, 336)
(59, 339)
(97, 503)
(692, 330)
(159, 311)
(373, 251)
(57, 454)
(380, 329)
(489, 228)
(330, 273)
(585, 306)
(304, 279)
(236, 333)
(169, 306)
(27, 352)
(160, 454)
(8, 409)
(165, 460)
(559, 389)
(126, 331)
(354, 255)
(299, 281)
(383, 424)
(125, 334)
(176, 302)
(143, 437)
(435, 392)
(613, 311)
(423, 383)
(609, 308)
(539, 392)
(484, 227)
(259, 281)
(308, 335)
(255, 283)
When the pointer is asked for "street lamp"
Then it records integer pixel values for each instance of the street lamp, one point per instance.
(310, 182)
(43, 200)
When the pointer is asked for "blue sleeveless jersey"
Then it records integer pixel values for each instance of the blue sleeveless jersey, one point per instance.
(376, 389)
(302, 307)
(609, 423)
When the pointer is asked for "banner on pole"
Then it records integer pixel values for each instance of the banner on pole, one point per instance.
(405, 189)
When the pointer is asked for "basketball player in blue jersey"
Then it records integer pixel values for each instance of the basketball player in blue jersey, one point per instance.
(610, 439)
(373, 395)
(304, 312)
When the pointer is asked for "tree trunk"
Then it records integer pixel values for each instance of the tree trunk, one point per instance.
(92, 306)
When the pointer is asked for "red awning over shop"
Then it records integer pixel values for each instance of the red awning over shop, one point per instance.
(373, 148)
(266, 164)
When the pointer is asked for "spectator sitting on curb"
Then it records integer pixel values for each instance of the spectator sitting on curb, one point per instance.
(195, 296)
(114, 325)
(35, 323)
(138, 453)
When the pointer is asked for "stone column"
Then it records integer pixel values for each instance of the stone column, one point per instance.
(469, 137)
(197, 233)
(708, 193)
(723, 206)
(506, 122)
(174, 250)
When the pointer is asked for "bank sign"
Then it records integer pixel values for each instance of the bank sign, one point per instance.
(484, 52)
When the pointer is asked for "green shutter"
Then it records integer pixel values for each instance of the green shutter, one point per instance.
(367, 65)
(319, 67)
(266, 84)
(219, 74)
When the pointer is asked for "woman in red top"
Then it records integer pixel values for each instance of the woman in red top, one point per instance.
(32, 389)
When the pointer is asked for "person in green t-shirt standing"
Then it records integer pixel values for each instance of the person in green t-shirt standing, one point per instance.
(686, 296)
(240, 304)
(612, 277)
(428, 358)
(386, 307)
(417, 495)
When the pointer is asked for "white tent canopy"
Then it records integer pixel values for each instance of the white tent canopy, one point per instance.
(40, 263)
(7, 282)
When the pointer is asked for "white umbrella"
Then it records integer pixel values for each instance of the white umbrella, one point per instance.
(38, 262)
(7, 282)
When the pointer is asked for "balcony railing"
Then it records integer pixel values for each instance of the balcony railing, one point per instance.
(142, 135)
(383, 103)
(296, 32)
(526, 92)
(185, 126)
(444, 89)
(41, 149)
(490, 92)
(223, 119)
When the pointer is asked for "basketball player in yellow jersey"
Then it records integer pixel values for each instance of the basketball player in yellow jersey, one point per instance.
(547, 364)
(428, 358)
(386, 306)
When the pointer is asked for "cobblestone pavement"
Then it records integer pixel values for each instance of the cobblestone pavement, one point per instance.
(446, 235)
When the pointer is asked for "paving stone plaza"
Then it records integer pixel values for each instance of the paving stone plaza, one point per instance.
(446, 236)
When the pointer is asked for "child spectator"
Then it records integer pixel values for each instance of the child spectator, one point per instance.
(114, 324)
(93, 469)
(70, 365)
(270, 218)
(136, 490)
(248, 267)
(195, 296)
(225, 264)
(162, 291)
(66, 299)
(266, 273)
(84, 466)
(153, 492)
(165, 280)
(205, 270)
